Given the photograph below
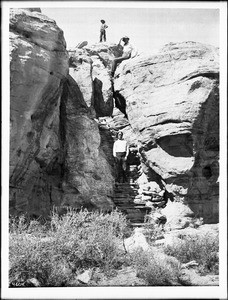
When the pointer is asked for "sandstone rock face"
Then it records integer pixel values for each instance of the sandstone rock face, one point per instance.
(172, 103)
(88, 180)
(55, 152)
(89, 66)
(39, 64)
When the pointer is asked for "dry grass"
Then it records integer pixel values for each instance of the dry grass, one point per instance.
(203, 248)
(53, 254)
(56, 252)
(156, 269)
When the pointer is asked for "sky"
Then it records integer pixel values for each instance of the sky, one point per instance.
(149, 29)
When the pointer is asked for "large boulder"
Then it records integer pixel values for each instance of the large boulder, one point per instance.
(88, 180)
(172, 103)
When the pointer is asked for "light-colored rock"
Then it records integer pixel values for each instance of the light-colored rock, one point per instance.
(38, 67)
(82, 44)
(33, 282)
(142, 179)
(178, 215)
(118, 120)
(83, 76)
(146, 198)
(90, 68)
(152, 187)
(149, 203)
(137, 240)
(172, 103)
(139, 201)
(85, 276)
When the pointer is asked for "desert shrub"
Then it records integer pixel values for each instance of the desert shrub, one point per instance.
(156, 269)
(203, 248)
(53, 253)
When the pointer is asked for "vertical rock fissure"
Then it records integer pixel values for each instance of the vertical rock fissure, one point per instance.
(120, 102)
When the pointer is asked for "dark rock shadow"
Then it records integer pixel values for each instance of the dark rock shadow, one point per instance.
(180, 145)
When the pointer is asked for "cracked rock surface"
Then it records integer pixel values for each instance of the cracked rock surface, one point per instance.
(172, 103)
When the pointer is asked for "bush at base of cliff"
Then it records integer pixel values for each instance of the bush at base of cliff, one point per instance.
(54, 254)
(156, 269)
(203, 248)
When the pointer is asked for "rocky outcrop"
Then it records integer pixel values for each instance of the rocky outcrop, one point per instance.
(38, 65)
(65, 111)
(55, 153)
(90, 66)
(172, 104)
(88, 180)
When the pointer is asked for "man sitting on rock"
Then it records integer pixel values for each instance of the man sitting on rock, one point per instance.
(120, 152)
(127, 50)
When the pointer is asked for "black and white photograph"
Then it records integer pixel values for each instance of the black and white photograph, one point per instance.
(114, 150)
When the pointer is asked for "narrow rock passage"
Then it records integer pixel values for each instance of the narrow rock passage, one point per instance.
(127, 197)
(131, 198)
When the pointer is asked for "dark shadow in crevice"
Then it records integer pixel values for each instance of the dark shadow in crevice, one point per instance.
(120, 102)
(101, 107)
(210, 75)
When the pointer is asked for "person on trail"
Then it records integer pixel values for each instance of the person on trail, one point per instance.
(120, 152)
(127, 50)
(103, 31)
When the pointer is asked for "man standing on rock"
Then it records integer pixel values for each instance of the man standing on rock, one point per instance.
(120, 152)
(103, 31)
(127, 50)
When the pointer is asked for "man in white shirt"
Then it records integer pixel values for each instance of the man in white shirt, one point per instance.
(120, 152)
(127, 49)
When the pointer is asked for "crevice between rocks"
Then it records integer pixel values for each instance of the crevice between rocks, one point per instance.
(209, 75)
(120, 103)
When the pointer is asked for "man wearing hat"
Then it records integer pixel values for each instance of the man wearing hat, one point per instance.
(103, 31)
(127, 49)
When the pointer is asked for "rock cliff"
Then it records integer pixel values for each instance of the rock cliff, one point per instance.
(87, 179)
(38, 67)
(172, 103)
(65, 110)
(55, 154)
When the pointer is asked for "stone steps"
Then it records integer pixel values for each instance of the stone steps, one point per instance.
(124, 197)
(134, 205)
(137, 224)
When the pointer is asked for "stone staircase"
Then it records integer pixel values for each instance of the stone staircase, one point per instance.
(134, 201)
(127, 199)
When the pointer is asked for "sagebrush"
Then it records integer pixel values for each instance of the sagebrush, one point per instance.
(201, 247)
(53, 253)
(155, 268)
